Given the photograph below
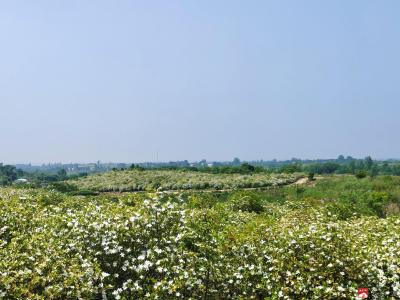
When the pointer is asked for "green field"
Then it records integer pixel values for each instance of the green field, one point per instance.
(321, 240)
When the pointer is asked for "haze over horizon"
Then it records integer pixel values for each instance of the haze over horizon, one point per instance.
(190, 161)
(164, 81)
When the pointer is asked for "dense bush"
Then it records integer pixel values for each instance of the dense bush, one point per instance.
(246, 201)
(161, 180)
(136, 246)
(361, 174)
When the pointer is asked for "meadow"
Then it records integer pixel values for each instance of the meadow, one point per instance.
(321, 240)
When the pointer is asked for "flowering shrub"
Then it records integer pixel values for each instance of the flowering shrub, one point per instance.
(150, 180)
(54, 246)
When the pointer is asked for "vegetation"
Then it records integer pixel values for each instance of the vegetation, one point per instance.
(53, 173)
(149, 180)
(8, 174)
(317, 241)
(340, 165)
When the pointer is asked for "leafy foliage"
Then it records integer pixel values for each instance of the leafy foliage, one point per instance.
(8, 174)
(277, 244)
(150, 180)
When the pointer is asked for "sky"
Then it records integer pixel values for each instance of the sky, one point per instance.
(134, 81)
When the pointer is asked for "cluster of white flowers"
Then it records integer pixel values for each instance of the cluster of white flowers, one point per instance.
(161, 180)
(160, 249)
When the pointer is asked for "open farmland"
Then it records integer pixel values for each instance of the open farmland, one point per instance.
(149, 180)
(317, 241)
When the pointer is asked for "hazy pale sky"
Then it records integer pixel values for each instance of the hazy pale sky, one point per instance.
(122, 80)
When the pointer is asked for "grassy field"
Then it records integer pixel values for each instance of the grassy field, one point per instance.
(150, 180)
(321, 240)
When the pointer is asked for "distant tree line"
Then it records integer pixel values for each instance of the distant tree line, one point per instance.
(244, 168)
(359, 167)
(50, 174)
(9, 174)
(341, 165)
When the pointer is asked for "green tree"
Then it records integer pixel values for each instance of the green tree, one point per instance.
(236, 161)
(247, 168)
(62, 174)
(361, 174)
(368, 162)
(7, 174)
(311, 176)
(352, 166)
(374, 171)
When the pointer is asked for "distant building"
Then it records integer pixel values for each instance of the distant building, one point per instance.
(21, 181)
